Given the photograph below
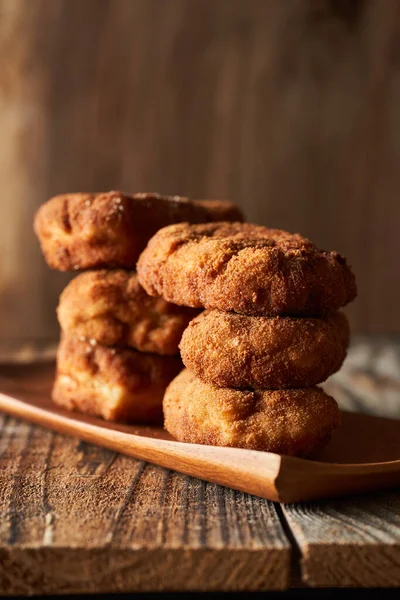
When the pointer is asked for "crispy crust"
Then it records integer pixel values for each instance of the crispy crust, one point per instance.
(221, 210)
(118, 385)
(83, 231)
(294, 422)
(112, 308)
(232, 350)
(244, 268)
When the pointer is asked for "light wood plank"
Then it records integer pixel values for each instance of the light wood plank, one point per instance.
(351, 542)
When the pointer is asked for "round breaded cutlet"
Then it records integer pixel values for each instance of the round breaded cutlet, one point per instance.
(232, 350)
(87, 231)
(221, 210)
(294, 422)
(112, 308)
(244, 268)
(115, 384)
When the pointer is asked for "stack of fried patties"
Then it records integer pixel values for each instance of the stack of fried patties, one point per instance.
(119, 346)
(270, 333)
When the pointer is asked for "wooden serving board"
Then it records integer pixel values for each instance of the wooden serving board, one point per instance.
(349, 464)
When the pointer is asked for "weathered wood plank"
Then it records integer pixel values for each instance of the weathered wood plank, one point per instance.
(76, 518)
(350, 542)
(354, 541)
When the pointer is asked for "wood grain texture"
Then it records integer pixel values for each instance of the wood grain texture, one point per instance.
(353, 542)
(290, 108)
(77, 518)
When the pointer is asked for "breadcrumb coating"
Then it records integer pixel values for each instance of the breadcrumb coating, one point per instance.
(112, 308)
(232, 350)
(244, 268)
(115, 384)
(85, 231)
(293, 422)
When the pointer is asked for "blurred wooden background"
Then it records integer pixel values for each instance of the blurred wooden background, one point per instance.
(291, 107)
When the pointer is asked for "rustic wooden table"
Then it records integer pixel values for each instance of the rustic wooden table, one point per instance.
(77, 518)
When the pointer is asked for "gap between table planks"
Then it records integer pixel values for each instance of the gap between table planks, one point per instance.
(77, 518)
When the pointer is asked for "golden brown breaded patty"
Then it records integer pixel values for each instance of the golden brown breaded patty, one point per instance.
(221, 210)
(232, 350)
(116, 384)
(244, 268)
(112, 308)
(84, 231)
(295, 422)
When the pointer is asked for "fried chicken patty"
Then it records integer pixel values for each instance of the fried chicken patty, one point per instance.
(244, 268)
(232, 350)
(112, 308)
(83, 231)
(294, 422)
(116, 384)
